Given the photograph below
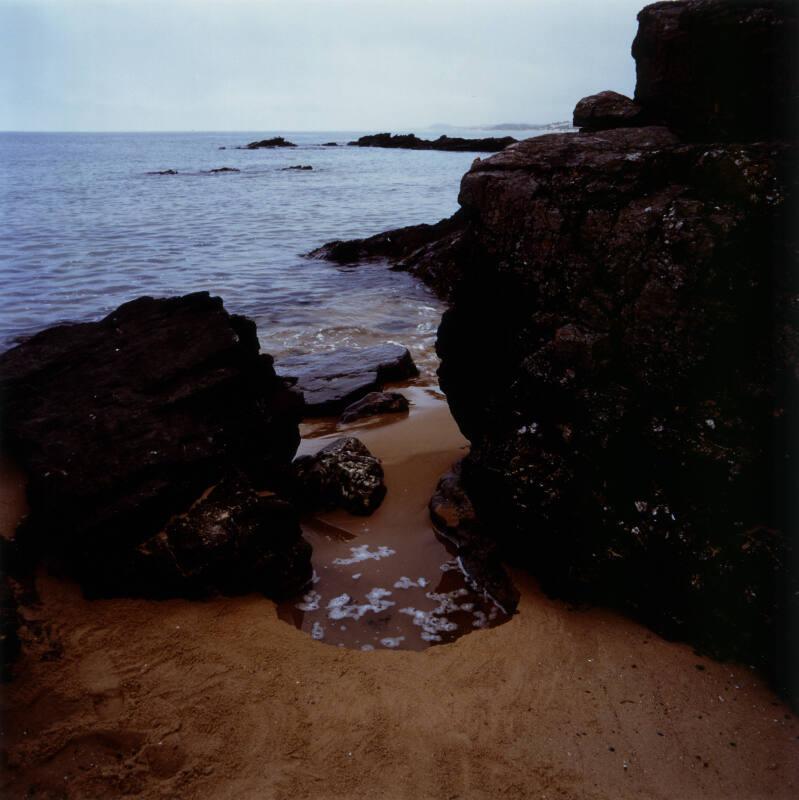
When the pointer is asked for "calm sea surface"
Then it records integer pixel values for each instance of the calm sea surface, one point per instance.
(85, 228)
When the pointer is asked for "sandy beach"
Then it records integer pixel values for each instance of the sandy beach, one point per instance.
(223, 699)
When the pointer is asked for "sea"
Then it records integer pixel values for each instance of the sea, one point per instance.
(86, 226)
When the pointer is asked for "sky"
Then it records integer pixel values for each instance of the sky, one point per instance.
(335, 65)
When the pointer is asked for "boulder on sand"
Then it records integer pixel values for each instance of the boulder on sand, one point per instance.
(122, 423)
(342, 475)
(233, 540)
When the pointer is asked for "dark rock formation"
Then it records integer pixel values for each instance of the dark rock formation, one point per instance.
(636, 340)
(298, 166)
(330, 144)
(122, 423)
(431, 252)
(375, 403)
(232, 540)
(9, 629)
(454, 518)
(717, 70)
(222, 170)
(164, 172)
(410, 141)
(329, 382)
(277, 141)
(606, 110)
(342, 475)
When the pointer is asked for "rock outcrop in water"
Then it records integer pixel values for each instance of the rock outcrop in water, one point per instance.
(123, 423)
(375, 403)
(344, 474)
(433, 253)
(622, 348)
(329, 382)
(410, 141)
(276, 141)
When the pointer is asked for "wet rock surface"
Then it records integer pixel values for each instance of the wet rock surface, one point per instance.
(222, 170)
(606, 110)
(454, 517)
(344, 474)
(122, 423)
(329, 382)
(410, 141)
(302, 167)
(431, 252)
(375, 403)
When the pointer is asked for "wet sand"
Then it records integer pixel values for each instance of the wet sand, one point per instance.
(385, 580)
(222, 699)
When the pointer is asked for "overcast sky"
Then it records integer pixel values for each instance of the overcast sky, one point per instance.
(137, 65)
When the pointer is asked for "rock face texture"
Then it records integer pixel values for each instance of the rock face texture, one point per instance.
(329, 382)
(623, 346)
(719, 70)
(122, 423)
(619, 356)
(410, 141)
(606, 110)
(9, 629)
(342, 475)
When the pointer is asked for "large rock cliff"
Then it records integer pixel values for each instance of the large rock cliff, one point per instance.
(623, 346)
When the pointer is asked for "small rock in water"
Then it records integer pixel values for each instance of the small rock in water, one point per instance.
(376, 403)
(329, 382)
(298, 166)
(276, 141)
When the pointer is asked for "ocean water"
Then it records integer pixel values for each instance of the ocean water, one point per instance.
(85, 228)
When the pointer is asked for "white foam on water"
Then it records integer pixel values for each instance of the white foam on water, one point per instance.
(392, 641)
(406, 583)
(317, 631)
(449, 565)
(365, 647)
(363, 553)
(310, 602)
(342, 607)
